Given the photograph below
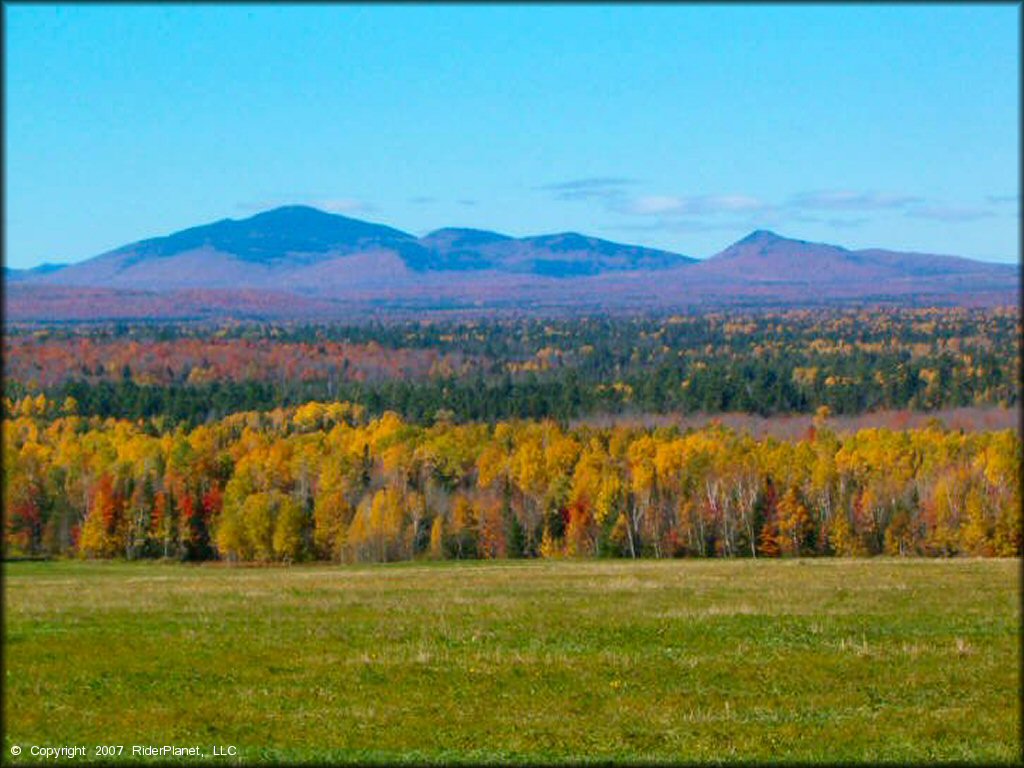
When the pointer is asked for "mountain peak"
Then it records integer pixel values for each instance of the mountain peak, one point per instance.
(299, 248)
(764, 243)
(293, 213)
(760, 236)
(271, 236)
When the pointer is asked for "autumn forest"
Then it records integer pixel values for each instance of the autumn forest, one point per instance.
(465, 440)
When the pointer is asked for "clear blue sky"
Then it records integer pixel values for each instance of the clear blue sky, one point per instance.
(682, 127)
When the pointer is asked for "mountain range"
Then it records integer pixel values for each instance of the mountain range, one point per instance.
(297, 261)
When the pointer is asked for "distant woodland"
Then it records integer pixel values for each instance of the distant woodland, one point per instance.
(453, 440)
(761, 363)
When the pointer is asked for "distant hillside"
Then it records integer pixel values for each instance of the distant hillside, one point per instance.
(12, 275)
(299, 261)
(303, 248)
(766, 256)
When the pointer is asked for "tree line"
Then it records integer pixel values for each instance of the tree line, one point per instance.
(326, 480)
(765, 363)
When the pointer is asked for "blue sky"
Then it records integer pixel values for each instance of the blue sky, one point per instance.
(680, 127)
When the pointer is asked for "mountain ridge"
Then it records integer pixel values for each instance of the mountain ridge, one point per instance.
(316, 255)
(300, 236)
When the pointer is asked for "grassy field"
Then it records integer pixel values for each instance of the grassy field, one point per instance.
(541, 661)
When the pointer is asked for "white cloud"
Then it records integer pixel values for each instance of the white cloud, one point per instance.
(950, 213)
(1003, 199)
(331, 204)
(693, 205)
(342, 205)
(849, 200)
(593, 182)
(595, 187)
(655, 204)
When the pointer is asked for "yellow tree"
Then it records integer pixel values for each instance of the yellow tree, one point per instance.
(463, 531)
(531, 479)
(256, 518)
(976, 529)
(289, 529)
(643, 488)
(795, 527)
(1000, 464)
(944, 512)
(841, 537)
(230, 537)
(437, 538)
(332, 511)
(104, 532)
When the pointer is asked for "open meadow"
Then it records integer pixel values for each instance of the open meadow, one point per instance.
(844, 660)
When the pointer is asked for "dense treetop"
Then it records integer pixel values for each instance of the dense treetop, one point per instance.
(325, 480)
(851, 361)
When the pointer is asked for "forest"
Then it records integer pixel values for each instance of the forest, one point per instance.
(326, 481)
(851, 361)
(257, 442)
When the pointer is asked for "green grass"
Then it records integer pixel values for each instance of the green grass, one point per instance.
(545, 661)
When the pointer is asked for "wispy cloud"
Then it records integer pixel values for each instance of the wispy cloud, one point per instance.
(1003, 199)
(593, 188)
(331, 204)
(849, 200)
(823, 207)
(692, 205)
(689, 225)
(591, 182)
(468, 201)
(836, 208)
(342, 205)
(257, 205)
(876, 202)
(949, 213)
(613, 192)
(837, 222)
(422, 200)
(842, 223)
